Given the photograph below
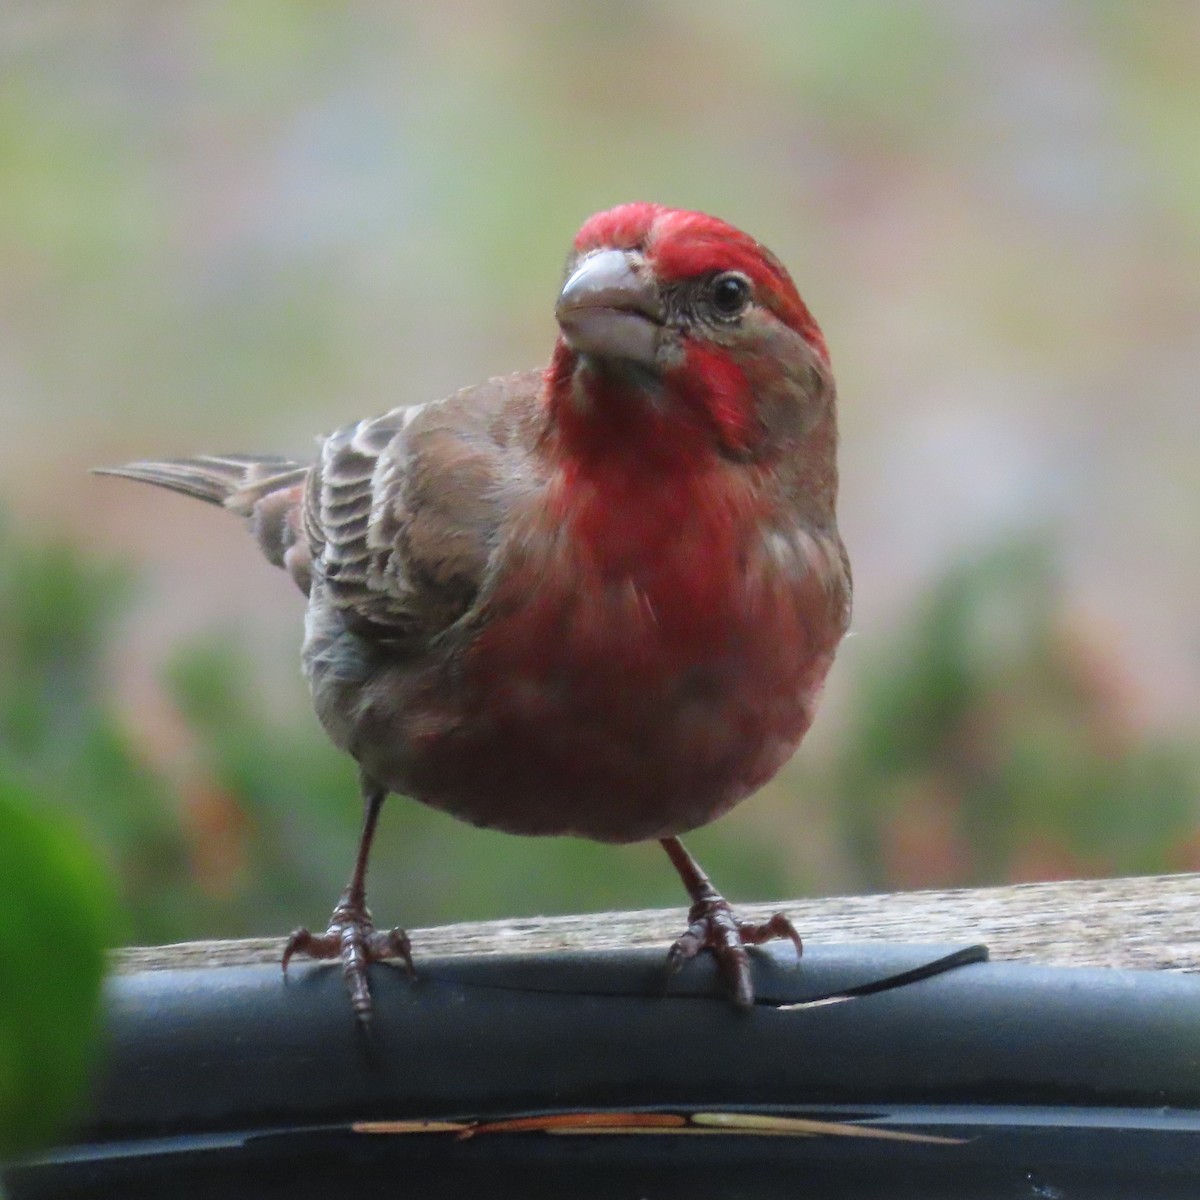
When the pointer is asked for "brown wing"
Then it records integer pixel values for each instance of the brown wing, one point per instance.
(403, 511)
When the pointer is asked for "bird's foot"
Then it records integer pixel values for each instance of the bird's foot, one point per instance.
(713, 926)
(353, 938)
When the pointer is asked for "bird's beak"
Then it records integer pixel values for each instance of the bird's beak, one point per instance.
(610, 308)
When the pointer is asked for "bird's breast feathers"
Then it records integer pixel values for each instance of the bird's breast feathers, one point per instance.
(621, 603)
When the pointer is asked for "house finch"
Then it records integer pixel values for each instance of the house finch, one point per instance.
(598, 599)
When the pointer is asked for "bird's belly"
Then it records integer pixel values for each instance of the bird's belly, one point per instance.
(606, 719)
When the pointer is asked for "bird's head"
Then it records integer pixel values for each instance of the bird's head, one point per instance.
(692, 320)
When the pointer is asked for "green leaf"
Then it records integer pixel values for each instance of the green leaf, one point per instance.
(56, 912)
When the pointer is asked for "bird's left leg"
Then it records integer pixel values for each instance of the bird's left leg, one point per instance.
(352, 935)
(713, 926)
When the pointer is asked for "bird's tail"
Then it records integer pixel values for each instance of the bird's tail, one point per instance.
(265, 489)
(235, 481)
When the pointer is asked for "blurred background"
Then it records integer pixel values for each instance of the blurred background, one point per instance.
(230, 226)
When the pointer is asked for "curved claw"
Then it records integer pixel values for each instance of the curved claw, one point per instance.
(712, 925)
(353, 938)
(298, 942)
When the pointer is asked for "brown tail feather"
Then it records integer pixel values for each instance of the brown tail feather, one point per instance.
(235, 481)
(265, 489)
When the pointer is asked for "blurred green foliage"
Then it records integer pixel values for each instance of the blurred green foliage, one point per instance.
(60, 734)
(995, 739)
(57, 922)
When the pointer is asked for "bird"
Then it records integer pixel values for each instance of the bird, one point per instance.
(598, 599)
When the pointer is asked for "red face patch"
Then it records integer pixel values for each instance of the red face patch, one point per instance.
(681, 245)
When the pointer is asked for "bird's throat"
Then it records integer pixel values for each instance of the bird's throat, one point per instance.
(641, 482)
(613, 417)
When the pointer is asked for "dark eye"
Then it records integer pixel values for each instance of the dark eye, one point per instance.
(730, 293)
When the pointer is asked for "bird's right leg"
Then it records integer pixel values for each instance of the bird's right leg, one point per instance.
(352, 935)
(713, 925)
